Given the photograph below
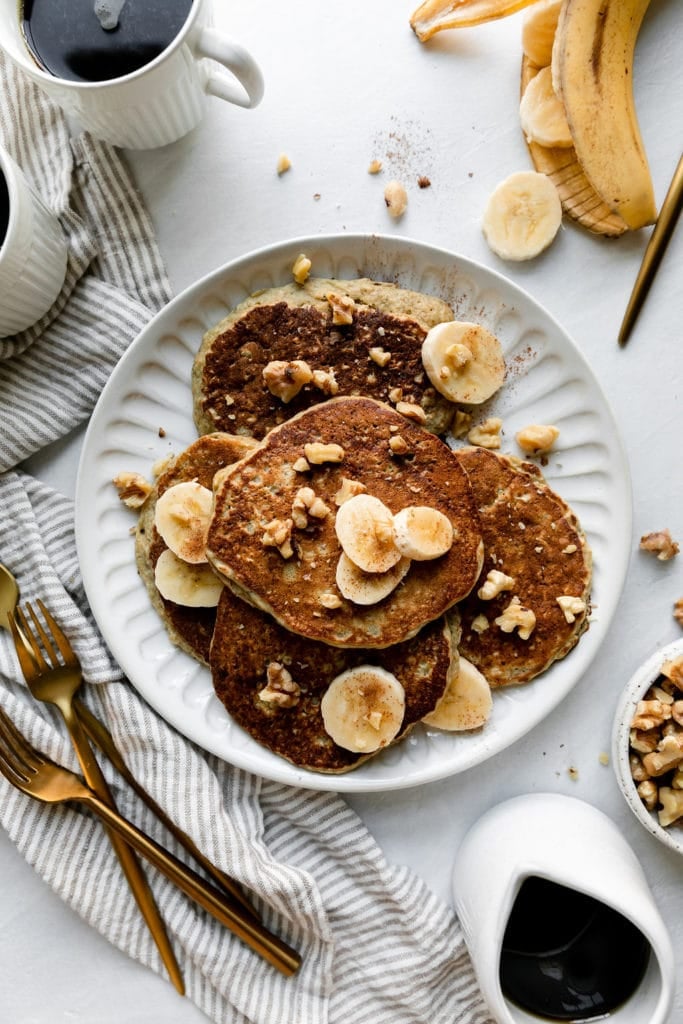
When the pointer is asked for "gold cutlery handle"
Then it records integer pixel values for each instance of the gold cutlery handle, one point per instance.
(129, 862)
(100, 735)
(244, 926)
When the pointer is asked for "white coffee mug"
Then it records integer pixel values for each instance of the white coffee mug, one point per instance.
(161, 101)
(564, 840)
(33, 254)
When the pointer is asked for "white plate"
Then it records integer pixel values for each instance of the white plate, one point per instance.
(548, 382)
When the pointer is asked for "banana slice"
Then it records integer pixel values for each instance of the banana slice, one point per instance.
(467, 702)
(422, 533)
(463, 361)
(195, 586)
(365, 530)
(367, 588)
(538, 31)
(542, 115)
(522, 216)
(363, 708)
(181, 516)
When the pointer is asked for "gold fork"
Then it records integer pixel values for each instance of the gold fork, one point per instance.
(32, 773)
(56, 684)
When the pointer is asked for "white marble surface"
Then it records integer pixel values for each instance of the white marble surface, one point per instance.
(346, 83)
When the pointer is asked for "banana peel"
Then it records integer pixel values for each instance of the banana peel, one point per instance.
(433, 16)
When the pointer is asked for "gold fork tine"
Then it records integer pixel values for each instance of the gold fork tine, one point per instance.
(24, 650)
(47, 643)
(60, 638)
(17, 753)
(28, 640)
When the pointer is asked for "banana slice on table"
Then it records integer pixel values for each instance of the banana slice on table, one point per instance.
(522, 216)
(422, 533)
(365, 530)
(195, 586)
(181, 516)
(363, 708)
(541, 113)
(538, 31)
(466, 703)
(367, 588)
(463, 361)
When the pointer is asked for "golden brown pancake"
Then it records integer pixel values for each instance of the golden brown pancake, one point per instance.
(246, 641)
(532, 536)
(189, 628)
(262, 489)
(296, 322)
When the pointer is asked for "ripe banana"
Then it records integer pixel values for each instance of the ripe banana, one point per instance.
(522, 216)
(434, 15)
(195, 586)
(363, 708)
(541, 113)
(463, 361)
(181, 516)
(538, 31)
(592, 66)
(422, 533)
(365, 530)
(367, 588)
(466, 703)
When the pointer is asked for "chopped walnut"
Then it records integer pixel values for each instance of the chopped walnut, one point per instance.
(486, 434)
(516, 616)
(375, 167)
(330, 601)
(316, 453)
(647, 791)
(461, 423)
(301, 269)
(307, 503)
(669, 754)
(660, 543)
(283, 163)
(571, 606)
(133, 488)
(673, 670)
(278, 534)
(672, 805)
(396, 199)
(411, 411)
(374, 719)
(379, 356)
(300, 465)
(649, 714)
(570, 549)
(326, 381)
(396, 395)
(638, 773)
(643, 742)
(349, 489)
(480, 624)
(342, 306)
(537, 438)
(286, 379)
(678, 611)
(398, 445)
(280, 688)
(495, 583)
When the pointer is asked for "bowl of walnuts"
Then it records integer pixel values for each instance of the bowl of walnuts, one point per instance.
(648, 745)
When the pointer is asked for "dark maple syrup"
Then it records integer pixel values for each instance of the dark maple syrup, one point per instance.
(4, 208)
(568, 957)
(67, 38)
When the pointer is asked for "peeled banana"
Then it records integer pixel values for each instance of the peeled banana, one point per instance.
(541, 113)
(592, 67)
(538, 31)
(363, 708)
(463, 361)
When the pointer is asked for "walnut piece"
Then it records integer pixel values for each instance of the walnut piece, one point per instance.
(280, 689)
(283, 163)
(398, 445)
(396, 199)
(301, 269)
(486, 434)
(649, 714)
(375, 167)
(379, 356)
(342, 307)
(673, 670)
(495, 583)
(678, 611)
(278, 534)
(660, 543)
(349, 489)
(537, 438)
(316, 453)
(516, 616)
(461, 423)
(285, 379)
(669, 754)
(331, 601)
(133, 488)
(411, 411)
(307, 503)
(480, 624)
(571, 606)
(672, 805)
(326, 381)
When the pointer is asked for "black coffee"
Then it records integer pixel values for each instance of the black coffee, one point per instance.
(97, 40)
(4, 208)
(568, 957)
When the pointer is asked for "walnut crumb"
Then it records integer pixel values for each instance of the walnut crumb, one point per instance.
(398, 445)
(396, 199)
(325, 381)
(573, 773)
(316, 453)
(603, 758)
(278, 534)
(301, 269)
(133, 488)
(280, 689)
(375, 167)
(379, 356)
(480, 624)
(349, 488)
(300, 465)
(486, 434)
(537, 438)
(678, 611)
(307, 503)
(461, 423)
(330, 601)
(283, 164)
(495, 583)
(342, 307)
(516, 616)
(285, 379)
(411, 411)
(571, 606)
(660, 543)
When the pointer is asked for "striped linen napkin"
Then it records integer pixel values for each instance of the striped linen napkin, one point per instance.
(377, 945)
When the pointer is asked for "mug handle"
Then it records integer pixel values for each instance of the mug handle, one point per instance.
(246, 89)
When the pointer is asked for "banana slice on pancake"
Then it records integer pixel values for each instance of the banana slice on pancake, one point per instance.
(182, 517)
(363, 708)
(193, 586)
(365, 530)
(422, 533)
(464, 361)
(367, 588)
(466, 703)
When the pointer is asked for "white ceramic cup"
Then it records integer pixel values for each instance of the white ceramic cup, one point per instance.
(33, 254)
(563, 840)
(161, 101)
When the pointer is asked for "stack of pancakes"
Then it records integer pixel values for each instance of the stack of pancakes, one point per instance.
(287, 610)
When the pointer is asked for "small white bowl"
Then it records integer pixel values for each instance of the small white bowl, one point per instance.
(636, 687)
